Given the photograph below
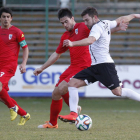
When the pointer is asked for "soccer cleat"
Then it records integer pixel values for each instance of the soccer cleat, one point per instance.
(13, 112)
(69, 118)
(24, 119)
(48, 125)
(78, 112)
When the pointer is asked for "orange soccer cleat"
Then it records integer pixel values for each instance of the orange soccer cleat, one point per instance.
(48, 125)
(68, 118)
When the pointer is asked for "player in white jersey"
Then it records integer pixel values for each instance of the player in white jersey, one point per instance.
(102, 68)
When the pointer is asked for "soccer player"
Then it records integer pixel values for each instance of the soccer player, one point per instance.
(11, 39)
(102, 68)
(80, 59)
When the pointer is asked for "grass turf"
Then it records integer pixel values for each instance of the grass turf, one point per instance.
(113, 119)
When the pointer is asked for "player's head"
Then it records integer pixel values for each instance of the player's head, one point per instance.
(90, 16)
(5, 16)
(66, 18)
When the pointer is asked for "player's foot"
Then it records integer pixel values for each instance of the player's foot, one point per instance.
(78, 112)
(24, 119)
(69, 118)
(13, 112)
(48, 125)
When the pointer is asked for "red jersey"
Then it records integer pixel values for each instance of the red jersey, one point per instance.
(79, 55)
(10, 41)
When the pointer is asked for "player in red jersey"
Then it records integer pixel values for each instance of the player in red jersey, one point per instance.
(11, 39)
(80, 59)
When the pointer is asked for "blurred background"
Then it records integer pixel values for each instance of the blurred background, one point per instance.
(38, 20)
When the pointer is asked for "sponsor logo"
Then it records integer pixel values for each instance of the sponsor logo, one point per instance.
(22, 35)
(10, 36)
(76, 31)
(45, 78)
(1, 74)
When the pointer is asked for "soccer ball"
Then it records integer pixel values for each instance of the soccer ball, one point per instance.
(83, 122)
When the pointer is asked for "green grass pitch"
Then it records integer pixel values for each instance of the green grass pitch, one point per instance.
(113, 119)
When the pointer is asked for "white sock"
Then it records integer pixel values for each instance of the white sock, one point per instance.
(73, 98)
(130, 94)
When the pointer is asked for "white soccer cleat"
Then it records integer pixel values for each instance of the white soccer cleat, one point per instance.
(79, 110)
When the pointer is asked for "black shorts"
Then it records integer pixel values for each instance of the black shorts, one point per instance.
(104, 72)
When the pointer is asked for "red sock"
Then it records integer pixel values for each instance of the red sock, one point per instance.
(66, 98)
(21, 112)
(4, 96)
(55, 109)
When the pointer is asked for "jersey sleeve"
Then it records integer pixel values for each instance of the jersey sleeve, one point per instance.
(96, 31)
(113, 24)
(60, 48)
(21, 39)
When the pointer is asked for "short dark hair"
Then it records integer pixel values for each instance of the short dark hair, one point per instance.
(6, 10)
(90, 11)
(64, 12)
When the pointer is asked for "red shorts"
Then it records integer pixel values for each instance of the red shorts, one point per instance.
(5, 76)
(69, 73)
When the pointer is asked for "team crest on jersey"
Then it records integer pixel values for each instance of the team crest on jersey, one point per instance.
(10, 36)
(1, 74)
(76, 31)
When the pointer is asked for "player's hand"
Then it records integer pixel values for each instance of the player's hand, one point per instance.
(37, 71)
(123, 26)
(22, 68)
(67, 43)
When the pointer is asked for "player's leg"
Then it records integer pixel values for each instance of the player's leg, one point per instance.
(20, 112)
(81, 79)
(55, 108)
(6, 99)
(63, 86)
(24, 116)
(11, 103)
(74, 84)
(63, 90)
(125, 92)
(108, 76)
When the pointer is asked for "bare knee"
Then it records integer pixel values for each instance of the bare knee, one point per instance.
(63, 87)
(117, 91)
(76, 83)
(0, 86)
(56, 95)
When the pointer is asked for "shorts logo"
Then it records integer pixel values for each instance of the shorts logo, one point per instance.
(76, 31)
(111, 85)
(10, 36)
(1, 74)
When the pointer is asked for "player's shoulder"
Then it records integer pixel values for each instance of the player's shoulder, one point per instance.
(65, 34)
(101, 24)
(16, 29)
(81, 24)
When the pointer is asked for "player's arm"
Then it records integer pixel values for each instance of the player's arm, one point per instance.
(120, 27)
(94, 35)
(128, 18)
(52, 59)
(83, 42)
(22, 66)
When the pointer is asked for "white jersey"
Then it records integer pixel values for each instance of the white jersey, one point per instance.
(99, 50)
